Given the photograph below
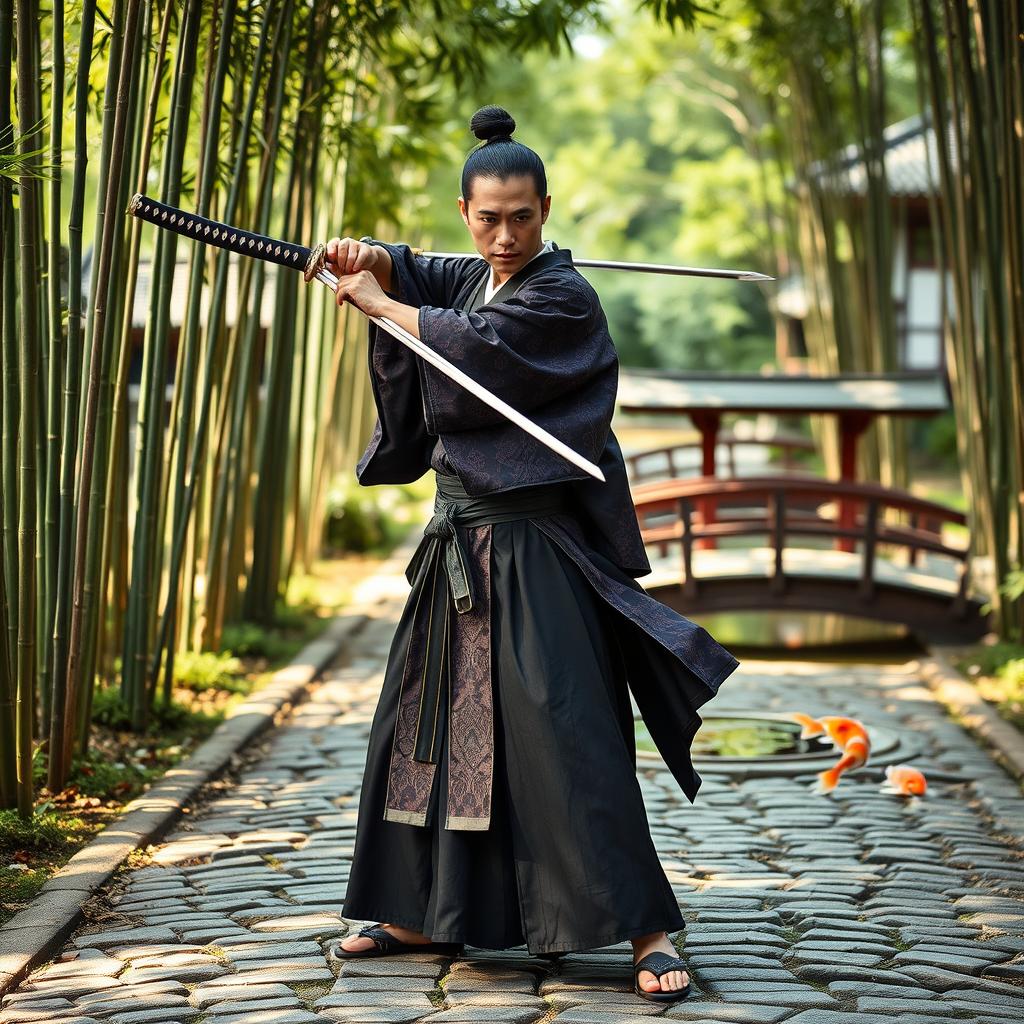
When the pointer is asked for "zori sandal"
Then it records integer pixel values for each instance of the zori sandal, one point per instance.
(659, 963)
(385, 944)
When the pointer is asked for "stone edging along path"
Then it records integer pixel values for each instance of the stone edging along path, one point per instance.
(37, 932)
(1005, 742)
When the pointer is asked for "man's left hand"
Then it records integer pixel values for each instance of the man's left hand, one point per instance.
(363, 291)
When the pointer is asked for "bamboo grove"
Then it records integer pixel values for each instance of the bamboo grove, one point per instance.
(814, 85)
(971, 74)
(969, 56)
(146, 506)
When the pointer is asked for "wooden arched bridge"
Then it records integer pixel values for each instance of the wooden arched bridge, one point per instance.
(825, 546)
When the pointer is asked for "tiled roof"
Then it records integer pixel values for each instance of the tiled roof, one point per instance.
(662, 391)
(911, 161)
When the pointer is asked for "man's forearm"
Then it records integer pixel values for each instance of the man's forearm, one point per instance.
(383, 269)
(403, 315)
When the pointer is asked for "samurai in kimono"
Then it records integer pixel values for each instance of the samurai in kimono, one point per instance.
(500, 804)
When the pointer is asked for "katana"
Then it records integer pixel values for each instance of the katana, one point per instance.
(313, 264)
(640, 268)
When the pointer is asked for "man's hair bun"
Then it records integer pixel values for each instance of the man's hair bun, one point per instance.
(495, 124)
(492, 123)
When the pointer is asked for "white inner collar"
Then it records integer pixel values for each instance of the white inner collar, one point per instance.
(492, 287)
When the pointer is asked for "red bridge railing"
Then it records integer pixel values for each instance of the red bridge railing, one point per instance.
(853, 515)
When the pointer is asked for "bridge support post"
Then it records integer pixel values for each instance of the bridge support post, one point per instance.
(851, 426)
(708, 423)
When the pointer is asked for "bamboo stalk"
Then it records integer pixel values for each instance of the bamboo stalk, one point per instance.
(75, 682)
(93, 590)
(190, 344)
(228, 504)
(149, 450)
(115, 543)
(9, 416)
(55, 370)
(30, 346)
(57, 765)
(264, 577)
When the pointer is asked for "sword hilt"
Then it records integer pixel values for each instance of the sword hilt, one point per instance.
(224, 236)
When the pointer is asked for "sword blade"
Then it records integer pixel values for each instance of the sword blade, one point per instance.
(310, 262)
(642, 268)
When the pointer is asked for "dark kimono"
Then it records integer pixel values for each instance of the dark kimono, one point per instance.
(515, 814)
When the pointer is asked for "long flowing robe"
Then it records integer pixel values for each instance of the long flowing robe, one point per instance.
(559, 854)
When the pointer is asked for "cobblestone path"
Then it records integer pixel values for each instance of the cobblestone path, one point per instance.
(854, 907)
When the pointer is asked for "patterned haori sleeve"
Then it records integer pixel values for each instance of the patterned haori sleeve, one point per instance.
(399, 448)
(538, 345)
(428, 280)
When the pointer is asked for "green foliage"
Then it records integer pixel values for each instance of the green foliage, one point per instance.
(354, 521)
(209, 670)
(937, 438)
(169, 721)
(683, 13)
(1012, 586)
(712, 330)
(294, 620)
(1011, 589)
(1012, 674)
(998, 671)
(110, 709)
(97, 775)
(16, 162)
(45, 830)
(247, 639)
(19, 887)
(174, 720)
(362, 520)
(30, 850)
(990, 660)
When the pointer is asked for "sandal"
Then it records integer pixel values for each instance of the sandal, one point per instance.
(659, 963)
(385, 944)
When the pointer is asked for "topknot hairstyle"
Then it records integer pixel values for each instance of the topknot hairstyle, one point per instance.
(499, 155)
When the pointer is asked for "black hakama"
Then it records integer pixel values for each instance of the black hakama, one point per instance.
(568, 862)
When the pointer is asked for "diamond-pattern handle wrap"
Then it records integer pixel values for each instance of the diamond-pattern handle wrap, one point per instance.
(224, 236)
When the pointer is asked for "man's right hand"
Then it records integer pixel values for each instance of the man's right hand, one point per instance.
(349, 256)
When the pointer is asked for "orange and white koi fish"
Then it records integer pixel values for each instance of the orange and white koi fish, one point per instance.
(846, 734)
(903, 780)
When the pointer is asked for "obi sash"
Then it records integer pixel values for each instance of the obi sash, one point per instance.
(446, 679)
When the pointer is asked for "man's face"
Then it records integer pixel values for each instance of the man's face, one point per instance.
(505, 219)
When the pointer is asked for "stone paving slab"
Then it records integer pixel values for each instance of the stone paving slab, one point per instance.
(851, 907)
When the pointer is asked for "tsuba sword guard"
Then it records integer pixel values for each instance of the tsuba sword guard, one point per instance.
(316, 262)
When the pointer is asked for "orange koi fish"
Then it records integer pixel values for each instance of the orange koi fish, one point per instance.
(903, 780)
(846, 734)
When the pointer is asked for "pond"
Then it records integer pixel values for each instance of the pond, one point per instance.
(751, 737)
(792, 631)
(751, 744)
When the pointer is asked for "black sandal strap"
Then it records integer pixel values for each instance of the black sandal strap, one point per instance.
(381, 937)
(659, 963)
